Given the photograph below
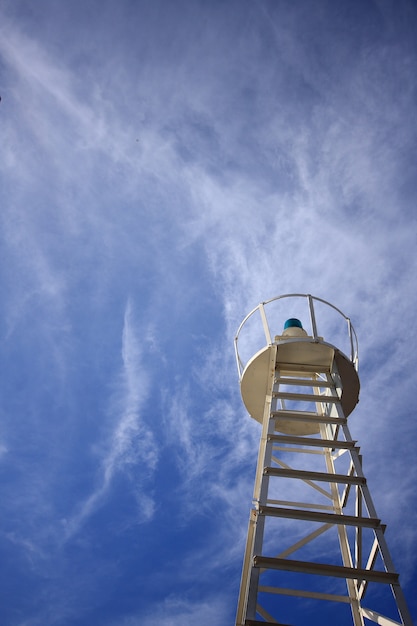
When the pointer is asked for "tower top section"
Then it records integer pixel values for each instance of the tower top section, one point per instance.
(317, 338)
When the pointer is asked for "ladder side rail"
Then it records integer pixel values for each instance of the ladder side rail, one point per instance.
(250, 576)
(261, 490)
(358, 532)
(379, 532)
(242, 601)
(345, 549)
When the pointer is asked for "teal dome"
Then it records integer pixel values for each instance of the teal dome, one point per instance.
(293, 322)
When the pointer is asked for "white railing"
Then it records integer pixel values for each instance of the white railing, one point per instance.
(320, 319)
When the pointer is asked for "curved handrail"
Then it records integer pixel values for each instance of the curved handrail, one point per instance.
(353, 340)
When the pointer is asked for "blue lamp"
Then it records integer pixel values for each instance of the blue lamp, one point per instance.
(293, 322)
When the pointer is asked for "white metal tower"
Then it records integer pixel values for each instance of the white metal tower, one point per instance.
(314, 535)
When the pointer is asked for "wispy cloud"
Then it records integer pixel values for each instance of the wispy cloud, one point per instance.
(205, 613)
(211, 158)
(132, 442)
(180, 609)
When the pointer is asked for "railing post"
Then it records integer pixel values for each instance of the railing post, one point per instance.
(265, 324)
(312, 316)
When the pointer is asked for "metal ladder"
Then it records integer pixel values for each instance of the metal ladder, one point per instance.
(326, 466)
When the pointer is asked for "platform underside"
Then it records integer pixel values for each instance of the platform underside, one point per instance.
(302, 357)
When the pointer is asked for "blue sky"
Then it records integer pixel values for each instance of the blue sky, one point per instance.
(165, 166)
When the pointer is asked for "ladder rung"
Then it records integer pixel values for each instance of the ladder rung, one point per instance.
(288, 413)
(323, 569)
(296, 367)
(321, 476)
(309, 441)
(300, 593)
(256, 622)
(303, 382)
(306, 397)
(307, 416)
(316, 516)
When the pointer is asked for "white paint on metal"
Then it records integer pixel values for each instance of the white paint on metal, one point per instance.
(301, 389)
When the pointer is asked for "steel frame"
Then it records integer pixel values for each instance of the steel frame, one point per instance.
(328, 466)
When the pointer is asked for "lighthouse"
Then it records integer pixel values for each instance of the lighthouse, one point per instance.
(315, 549)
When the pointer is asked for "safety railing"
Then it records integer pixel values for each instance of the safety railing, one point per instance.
(322, 321)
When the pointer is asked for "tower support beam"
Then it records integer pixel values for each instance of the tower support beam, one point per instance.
(313, 519)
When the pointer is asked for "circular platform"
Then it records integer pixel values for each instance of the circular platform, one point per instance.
(303, 356)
